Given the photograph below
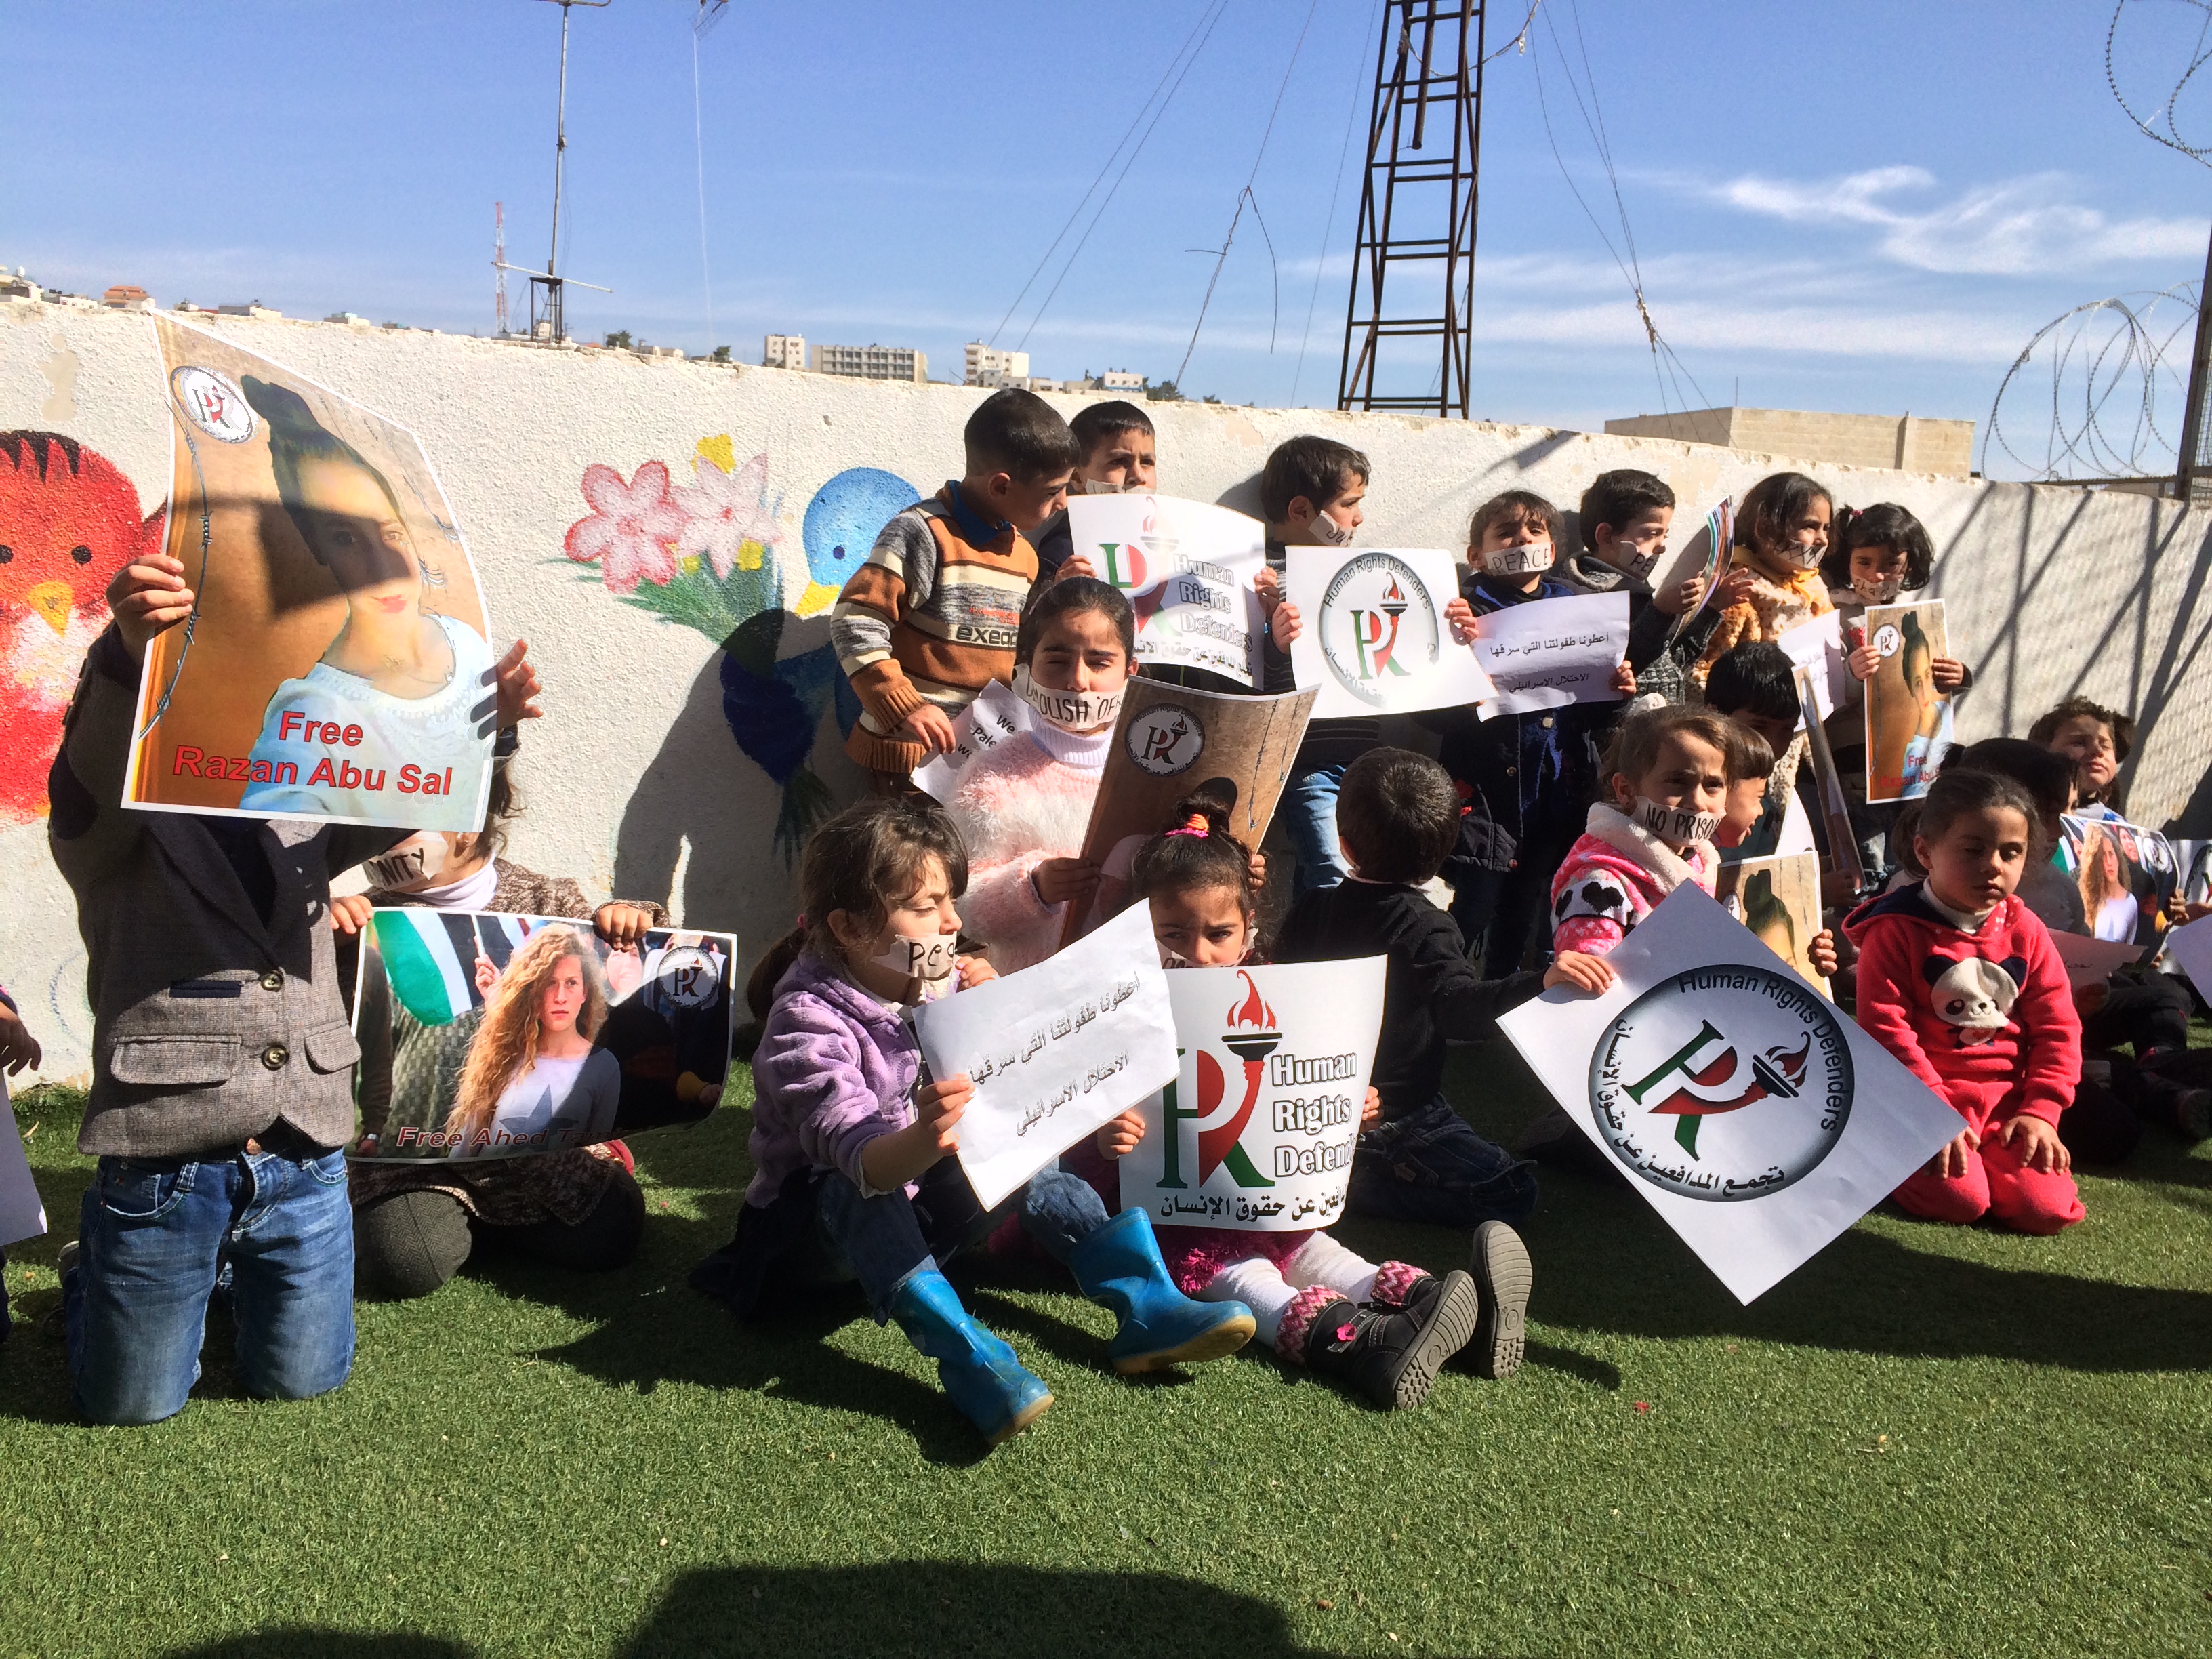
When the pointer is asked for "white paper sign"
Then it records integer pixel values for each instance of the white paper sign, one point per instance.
(1257, 1133)
(2191, 948)
(22, 1215)
(1054, 1051)
(1188, 568)
(1756, 1119)
(994, 715)
(2092, 961)
(1550, 652)
(1374, 639)
(1818, 648)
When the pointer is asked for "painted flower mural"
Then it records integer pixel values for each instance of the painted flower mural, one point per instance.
(702, 556)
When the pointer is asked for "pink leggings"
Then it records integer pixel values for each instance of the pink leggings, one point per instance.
(1996, 1182)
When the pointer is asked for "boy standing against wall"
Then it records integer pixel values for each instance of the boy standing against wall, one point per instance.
(1120, 457)
(930, 619)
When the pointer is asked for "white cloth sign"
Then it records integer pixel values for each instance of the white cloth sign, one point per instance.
(1817, 646)
(1188, 568)
(1759, 1120)
(1256, 1133)
(22, 1215)
(1374, 639)
(1054, 1051)
(2190, 949)
(993, 716)
(1550, 652)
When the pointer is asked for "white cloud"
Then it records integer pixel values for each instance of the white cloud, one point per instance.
(2020, 227)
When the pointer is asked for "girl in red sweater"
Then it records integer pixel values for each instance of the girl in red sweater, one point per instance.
(1959, 981)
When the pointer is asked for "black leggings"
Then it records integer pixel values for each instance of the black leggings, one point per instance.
(2143, 1008)
(412, 1242)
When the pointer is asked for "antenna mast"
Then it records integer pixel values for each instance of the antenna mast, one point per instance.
(499, 266)
(546, 285)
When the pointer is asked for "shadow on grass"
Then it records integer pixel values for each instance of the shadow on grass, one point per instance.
(290, 1641)
(930, 1608)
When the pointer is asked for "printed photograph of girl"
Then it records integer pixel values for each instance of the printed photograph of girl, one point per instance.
(1779, 900)
(1908, 718)
(338, 663)
(2127, 874)
(484, 1035)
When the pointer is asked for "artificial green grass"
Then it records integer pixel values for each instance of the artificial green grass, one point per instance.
(1930, 1440)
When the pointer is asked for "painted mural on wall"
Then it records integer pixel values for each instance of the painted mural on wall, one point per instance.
(704, 556)
(69, 521)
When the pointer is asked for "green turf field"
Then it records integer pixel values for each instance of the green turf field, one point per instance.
(1930, 1441)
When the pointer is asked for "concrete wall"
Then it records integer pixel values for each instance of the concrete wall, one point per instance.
(652, 774)
(1903, 443)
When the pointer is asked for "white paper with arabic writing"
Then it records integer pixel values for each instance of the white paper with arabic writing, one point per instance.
(1258, 1133)
(1188, 568)
(1550, 652)
(1817, 646)
(22, 1214)
(1770, 1177)
(1054, 1051)
(993, 716)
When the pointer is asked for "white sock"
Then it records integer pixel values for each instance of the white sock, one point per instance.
(1258, 1285)
(1322, 1260)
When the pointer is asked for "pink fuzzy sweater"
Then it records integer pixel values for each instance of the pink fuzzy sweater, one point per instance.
(1025, 802)
(1615, 876)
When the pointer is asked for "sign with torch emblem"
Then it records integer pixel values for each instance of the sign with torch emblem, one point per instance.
(1189, 568)
(1374, 639)
(1257, 1132)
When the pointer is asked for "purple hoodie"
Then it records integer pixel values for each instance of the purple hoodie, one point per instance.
(835, 1068)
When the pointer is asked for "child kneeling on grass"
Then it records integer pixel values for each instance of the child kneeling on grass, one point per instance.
(853, 1172)
(1960, 982)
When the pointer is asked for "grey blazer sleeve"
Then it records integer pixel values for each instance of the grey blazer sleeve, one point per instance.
(89, 831)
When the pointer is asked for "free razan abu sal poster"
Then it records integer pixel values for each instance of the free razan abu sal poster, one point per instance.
(486, 1034)
(337, 664)
(1258, 1130)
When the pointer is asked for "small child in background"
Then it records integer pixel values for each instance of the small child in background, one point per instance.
(18, 1050)
(1958, 979)
(1755, 688)
(2098, 740)
(1781, 538)
(1750, 767)
(1022, 808)
(930, 619)
(1624, 520)
(1384, 1330)
(1119, 456)
(1526, 776)
(1398, 821)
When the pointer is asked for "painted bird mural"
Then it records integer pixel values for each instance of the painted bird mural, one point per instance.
(69, 521)
(703, 555)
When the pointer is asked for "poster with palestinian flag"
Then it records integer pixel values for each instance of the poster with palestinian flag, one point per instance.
(1257, 1131)
(1189, 568)
(488, 1035)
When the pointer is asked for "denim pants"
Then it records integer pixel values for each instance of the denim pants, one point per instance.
(1061, 1210)
(1307, 812)
(152, 1236)
(1429, 1166)
(885, 1240)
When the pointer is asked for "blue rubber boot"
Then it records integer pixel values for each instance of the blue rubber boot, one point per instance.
(1119, 1267)
(980, 1373)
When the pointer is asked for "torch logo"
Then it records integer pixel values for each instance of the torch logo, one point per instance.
(1252, 1036)
(1378, 625)
(1165, 739)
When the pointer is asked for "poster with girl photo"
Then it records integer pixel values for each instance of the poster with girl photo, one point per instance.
(337, 664)
(2127, 874)
(1908, 719)
(486, 1035)
(1779, 900)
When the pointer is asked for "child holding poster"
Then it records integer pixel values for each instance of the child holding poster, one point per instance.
(1624, 518)
(1960, 982)
(1384, 1330)
(1781, 538)
(1120, 457)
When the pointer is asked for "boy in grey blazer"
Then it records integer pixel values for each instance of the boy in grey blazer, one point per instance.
(223, 1058)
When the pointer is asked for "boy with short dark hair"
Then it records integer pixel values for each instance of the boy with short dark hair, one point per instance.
(1119, 456)
(1398, 817)
(930, 619)
(1624, 520)
(1755, 686)
(1310, 494)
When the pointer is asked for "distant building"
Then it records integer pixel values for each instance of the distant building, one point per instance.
(1121, 379)
(986, 366)
(350, 318)
(784, 351)
(251, 308)
(872, 362)
(127, 296)
(1906, 442)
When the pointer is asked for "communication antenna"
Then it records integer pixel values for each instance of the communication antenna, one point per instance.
(545, 319)
(499, 267)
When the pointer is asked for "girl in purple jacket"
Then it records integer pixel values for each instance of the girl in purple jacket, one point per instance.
(853, 1171)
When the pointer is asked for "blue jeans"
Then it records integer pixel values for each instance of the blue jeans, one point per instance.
(885, 1240)
(1431, 1166)
(152, 1235)
(1308, 810)
(1059, 1211)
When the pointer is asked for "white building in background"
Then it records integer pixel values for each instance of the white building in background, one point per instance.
(872, 362)
(986, 366)
(784, 351)
(1121, 379)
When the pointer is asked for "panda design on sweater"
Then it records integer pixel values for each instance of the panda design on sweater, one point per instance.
(1597, 895)
(1974, 995)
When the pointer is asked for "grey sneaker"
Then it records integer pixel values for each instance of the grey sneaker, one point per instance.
(1502, 1273)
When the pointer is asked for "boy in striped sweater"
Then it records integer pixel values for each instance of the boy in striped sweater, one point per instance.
(930, 619)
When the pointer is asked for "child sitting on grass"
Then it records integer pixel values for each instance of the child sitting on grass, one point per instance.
(1958, 979)
(1384, 1330)
(929, 620)
(1397, 820)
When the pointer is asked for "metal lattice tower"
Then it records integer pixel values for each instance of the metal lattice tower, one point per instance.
(1413, 271)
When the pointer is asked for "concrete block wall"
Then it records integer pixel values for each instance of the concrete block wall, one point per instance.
(637, 783)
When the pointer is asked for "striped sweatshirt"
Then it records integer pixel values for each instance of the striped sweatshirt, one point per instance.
(931, 618)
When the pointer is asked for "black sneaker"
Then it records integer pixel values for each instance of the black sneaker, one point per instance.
(1392, 1355)
(2185, 1110)
(1502, 1273)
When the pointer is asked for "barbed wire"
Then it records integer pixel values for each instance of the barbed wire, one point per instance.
(2200, 55)
(2094, 381)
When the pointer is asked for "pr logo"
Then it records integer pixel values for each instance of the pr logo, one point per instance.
(1252, 1036)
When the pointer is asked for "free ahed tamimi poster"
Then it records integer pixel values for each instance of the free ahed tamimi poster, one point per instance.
(337, 664)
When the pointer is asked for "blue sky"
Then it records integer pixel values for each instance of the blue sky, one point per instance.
(1864, 206)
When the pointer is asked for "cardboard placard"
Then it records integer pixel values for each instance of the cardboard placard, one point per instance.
(1908, 719)
(1374, 639)
(1188, 568)
(1835, 805)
